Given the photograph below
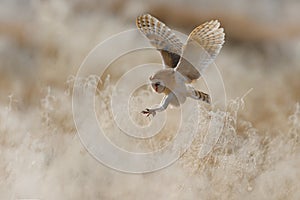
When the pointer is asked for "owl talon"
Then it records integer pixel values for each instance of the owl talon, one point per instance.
(148, 112)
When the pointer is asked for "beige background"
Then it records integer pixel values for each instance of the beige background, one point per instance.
(42, 44)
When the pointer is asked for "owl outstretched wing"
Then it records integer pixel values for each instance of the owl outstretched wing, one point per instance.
(162, 38)
(203, 45)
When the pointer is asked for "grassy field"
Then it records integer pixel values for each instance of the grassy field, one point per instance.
(42, 45)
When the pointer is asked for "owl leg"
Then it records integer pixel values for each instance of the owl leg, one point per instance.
(198, 95)
(163, 106)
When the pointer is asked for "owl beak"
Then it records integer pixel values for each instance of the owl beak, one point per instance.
(156, 86)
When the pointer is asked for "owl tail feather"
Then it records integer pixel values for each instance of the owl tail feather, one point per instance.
(198, 95)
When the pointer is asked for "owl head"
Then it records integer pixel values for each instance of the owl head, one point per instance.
(157, 84)
(160, 81)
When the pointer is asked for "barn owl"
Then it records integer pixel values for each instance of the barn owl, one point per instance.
(202, 46)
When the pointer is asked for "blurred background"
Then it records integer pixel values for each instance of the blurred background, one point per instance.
(42, 44)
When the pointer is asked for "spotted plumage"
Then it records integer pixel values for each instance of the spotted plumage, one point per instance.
(198, 95)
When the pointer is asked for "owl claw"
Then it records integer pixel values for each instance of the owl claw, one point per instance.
(148, 112)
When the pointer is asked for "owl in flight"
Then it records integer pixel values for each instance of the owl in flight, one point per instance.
(202, 46)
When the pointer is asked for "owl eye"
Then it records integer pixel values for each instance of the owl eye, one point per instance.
(157, 84)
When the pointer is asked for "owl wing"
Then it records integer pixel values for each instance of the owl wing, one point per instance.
(162, 38)
(203, 45)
